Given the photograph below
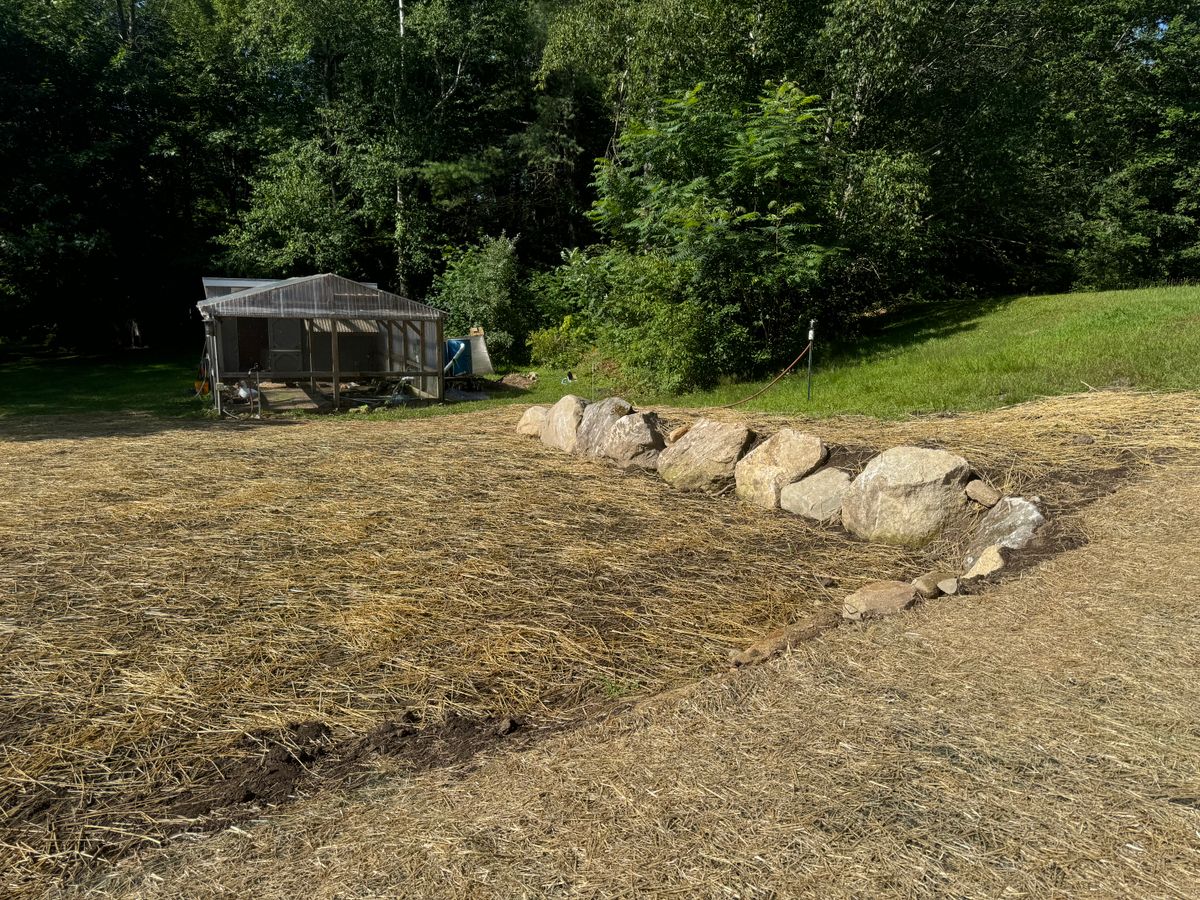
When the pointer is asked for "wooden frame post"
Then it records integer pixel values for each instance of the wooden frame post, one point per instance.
(337, 370)
(440, 357)
(214, 364)
(312, 378)
(391, 363)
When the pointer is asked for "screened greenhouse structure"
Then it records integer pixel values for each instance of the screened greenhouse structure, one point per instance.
(320, 328)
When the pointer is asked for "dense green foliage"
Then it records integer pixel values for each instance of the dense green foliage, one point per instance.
(691, 180)
(483, 286)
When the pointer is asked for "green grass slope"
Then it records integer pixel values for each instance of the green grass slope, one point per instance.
(957, 356)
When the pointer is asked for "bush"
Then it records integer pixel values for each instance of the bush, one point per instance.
(561, 346)
(639, 311)
(482, 286)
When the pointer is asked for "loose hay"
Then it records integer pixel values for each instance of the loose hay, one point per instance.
(168, 592)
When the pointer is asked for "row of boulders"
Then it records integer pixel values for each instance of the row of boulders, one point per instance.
(905, 496)
(609, 429)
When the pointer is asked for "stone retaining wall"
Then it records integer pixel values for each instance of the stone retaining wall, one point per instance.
(905, 496)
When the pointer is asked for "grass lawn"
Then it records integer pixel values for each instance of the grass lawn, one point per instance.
(974, 356)
(937, 357)
(136, 381)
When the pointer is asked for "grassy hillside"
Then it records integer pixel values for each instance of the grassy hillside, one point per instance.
(939, 357)
(959, 356)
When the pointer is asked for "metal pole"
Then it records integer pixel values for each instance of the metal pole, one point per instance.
(812, 330)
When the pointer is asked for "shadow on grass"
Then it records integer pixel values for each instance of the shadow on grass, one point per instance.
(46, 397)
(911, 324)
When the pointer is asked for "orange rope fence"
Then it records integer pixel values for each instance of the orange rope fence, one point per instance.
(778, 378)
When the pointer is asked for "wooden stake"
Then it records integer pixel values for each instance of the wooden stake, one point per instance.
(337, 372)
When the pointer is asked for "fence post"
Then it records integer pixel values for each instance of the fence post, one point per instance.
(812, 330)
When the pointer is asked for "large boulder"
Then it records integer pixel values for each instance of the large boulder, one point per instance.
(879, 599)
(561, 429)
(780, 460)
(531, 423)
(705, 457)
(905, 496)
(1012, 524)
(817, 497)
(634, 442)
(598, 419)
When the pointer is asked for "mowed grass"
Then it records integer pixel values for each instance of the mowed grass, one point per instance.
(976, 356)
(134, 382)
(936, 357)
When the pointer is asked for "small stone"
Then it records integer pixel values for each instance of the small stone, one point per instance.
(1083, 440)
(948, 586)
(983, 493)
(531, 423)
(929, 584)
(990, 562)
(561, 429)
(879, 599)
(817, 497)
(704, 458)
(677, 433)
(780, 460)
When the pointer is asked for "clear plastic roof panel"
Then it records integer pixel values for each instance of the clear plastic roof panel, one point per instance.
(317, 297)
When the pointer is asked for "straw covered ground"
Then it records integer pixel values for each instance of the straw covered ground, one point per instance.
(181, 602)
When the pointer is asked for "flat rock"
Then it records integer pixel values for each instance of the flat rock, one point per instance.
(531, 423)
(929, 585)
(598, 419)
(983, 493)
(989, 562)
(634, 442)
(817, 497)
(784, 639)
(705, 457)
(561, 428)
(1012, 523)
(782, 459)
(879, 599)
(905, 496)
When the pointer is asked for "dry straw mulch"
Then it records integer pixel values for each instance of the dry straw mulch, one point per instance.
(168, 589)
(1038, 740)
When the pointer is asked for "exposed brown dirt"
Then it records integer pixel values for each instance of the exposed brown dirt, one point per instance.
(273, 766)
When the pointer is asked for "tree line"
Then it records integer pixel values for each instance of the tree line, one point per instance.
(675, 186)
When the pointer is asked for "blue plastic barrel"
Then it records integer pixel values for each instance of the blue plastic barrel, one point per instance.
(459, 354)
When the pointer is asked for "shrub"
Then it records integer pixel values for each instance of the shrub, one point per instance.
(482, 286)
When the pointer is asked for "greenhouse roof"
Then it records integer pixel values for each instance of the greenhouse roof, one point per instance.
(317, 297)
